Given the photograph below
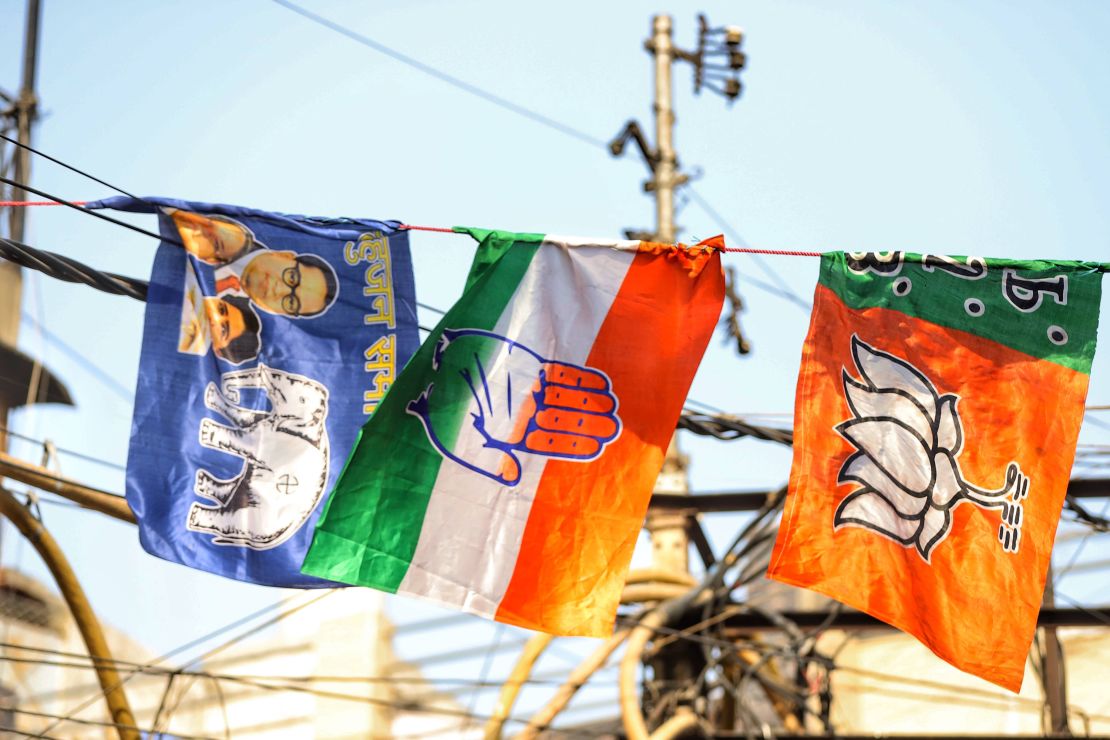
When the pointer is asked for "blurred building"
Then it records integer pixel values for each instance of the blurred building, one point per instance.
(264, 688)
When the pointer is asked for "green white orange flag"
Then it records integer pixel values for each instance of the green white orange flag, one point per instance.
(508, 470)
(938, 406)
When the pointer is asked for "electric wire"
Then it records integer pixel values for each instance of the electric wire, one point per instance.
(63, 450)
(80, 661)
(89, 211)
(82, 360)
(70, 270)
(191, 644)
(783, 290)
(69, 167)
(722, 426)
(780, 288)
(442, 76)
(88, 722)
(239, 638)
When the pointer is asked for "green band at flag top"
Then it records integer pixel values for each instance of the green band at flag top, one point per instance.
(1042, 308)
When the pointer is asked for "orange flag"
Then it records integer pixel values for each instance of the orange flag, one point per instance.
(938, 407)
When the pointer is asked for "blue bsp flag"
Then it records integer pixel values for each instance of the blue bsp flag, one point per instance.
(268, 341)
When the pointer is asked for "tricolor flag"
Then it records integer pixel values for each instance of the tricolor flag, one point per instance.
(938, 407)
(509, 468)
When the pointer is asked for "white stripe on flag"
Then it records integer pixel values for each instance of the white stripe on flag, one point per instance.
(473, 526)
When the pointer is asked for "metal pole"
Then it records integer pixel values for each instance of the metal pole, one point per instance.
(664, 129)
(26, 112)
(87, 496)
(11, 296)
(11, 279)
(1055, 691)
(669, 542)
(87, 623)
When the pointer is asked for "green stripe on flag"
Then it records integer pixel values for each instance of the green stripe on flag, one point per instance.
(371, 522)
(1047, 309)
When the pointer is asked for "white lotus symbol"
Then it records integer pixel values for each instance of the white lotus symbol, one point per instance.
(908, 438)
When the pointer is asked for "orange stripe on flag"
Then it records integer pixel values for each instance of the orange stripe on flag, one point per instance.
(586, 517)
(973, 604)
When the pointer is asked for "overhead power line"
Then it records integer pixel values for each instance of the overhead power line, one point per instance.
(63, 450)
(70, 270)
(445, 77)
(82, 360)
(780, 288)
(69, 167)
(89, 211)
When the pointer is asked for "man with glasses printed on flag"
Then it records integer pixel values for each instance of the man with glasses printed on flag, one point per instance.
(278, 282)
(281, 282)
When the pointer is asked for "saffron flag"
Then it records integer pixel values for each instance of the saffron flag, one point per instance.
(268, 340)
(508, 470)
(938, 407)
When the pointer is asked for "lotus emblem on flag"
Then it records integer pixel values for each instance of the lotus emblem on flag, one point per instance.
(908, 438)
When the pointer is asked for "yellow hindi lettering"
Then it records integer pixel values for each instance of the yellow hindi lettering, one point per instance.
(372, 249)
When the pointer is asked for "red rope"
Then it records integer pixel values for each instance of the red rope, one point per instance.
(24, 203)
(440, 229)
(784, 252)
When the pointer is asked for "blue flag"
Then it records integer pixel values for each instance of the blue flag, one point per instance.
(268, 341)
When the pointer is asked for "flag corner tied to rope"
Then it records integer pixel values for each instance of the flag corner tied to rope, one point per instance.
(938, 409)
(508, 471)
(268, 339)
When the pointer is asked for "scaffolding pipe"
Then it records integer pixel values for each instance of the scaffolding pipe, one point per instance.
(110, 682)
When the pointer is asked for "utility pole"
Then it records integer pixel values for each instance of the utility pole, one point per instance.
(680, 662)
(24, 381)
(20, 113)
(717, 62)
(1052, 671)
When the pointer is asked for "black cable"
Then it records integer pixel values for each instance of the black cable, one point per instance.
(70, 270)
(726, 427)
(89, 211)
(70, 167)
(431, 71)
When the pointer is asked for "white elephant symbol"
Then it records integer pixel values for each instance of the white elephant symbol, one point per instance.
(285, 459)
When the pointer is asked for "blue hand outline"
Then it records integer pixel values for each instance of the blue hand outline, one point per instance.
(518, 402)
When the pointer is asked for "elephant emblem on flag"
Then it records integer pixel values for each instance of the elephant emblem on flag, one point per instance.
(493, 400)
(908, 438)
(284, 452)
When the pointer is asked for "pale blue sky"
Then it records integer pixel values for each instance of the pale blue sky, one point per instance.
(946, 127)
